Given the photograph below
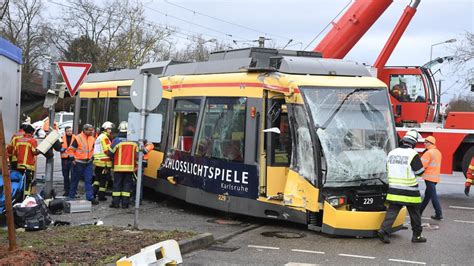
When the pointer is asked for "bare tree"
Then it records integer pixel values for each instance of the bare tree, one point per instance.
(463, 58)
(23, 25)
(199, 49)
(118, 28)
(3, 8)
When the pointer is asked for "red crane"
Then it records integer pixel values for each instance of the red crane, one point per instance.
(412, 89)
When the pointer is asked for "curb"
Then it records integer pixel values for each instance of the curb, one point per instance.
(198, 242)
(225, 238)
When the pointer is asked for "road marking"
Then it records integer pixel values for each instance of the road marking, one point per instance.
(356, 256)
(308, 251)
(408, 261)
(467, 222)
(299, 264)
(461, 207)
(262, 247)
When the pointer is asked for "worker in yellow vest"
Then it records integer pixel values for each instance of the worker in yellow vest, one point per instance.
(102, 161)
(431, 160)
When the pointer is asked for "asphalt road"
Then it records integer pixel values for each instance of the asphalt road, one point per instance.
(450, 241)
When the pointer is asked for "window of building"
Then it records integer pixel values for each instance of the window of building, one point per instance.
(222, 134)
(407, 88)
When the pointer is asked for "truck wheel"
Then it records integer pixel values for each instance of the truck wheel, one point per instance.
(467, 159)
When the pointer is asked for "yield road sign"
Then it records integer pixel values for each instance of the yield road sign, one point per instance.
(73, 74)
(154, 92)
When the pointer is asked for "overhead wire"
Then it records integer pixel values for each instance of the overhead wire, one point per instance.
(225, 21)
(327, 25)
(193, 23)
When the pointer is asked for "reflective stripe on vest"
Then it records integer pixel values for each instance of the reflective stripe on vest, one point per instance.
(102, 144)
(67, 147)
(403, 187)
(432, 162)
(84, 150)
(26, 158)
(125, 156)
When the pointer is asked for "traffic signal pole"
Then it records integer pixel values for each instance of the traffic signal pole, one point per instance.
(49, 169)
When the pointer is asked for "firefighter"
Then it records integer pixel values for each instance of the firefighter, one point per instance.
(83, 147)
(67, 156)
(11, 146)
(431, 160)
(124, 154)
(25, 152)
(102, 161)
(470, 177)
(403, 167)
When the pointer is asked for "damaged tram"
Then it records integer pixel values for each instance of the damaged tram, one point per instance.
(278, 134)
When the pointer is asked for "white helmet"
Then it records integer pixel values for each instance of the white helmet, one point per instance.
(411, 137)
(123, 126)
(108, 125)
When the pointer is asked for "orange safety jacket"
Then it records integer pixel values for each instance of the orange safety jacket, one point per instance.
(148, 148)
(84, 148)
(124, 154)
(11, 146)
(67, 146)
(470, 173)
(25, 151)
(431, 160)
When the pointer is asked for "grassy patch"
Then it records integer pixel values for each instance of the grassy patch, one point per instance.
(89, 244)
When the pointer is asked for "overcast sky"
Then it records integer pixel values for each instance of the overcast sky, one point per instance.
(301, 20)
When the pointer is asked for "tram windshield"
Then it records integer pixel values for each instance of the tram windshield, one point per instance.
(355, 129)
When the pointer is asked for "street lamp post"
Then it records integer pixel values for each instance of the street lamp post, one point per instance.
(448, 41)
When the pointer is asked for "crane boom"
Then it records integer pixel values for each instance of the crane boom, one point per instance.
(397, 33)
(350, 28)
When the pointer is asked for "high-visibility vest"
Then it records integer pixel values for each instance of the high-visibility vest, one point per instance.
(101, 146)
(11, 146)
(67, 147)
(125, 155)
(85, 147)
(470, 171)
(149, 147)
(402, 184)
(431, 160)
(25, 150)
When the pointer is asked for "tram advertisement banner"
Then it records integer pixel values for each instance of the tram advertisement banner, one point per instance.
(212, 175)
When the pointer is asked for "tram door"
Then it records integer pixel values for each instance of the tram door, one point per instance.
(277, 146)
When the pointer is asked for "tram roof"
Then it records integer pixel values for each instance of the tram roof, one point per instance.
(260, 60)
(123, 74)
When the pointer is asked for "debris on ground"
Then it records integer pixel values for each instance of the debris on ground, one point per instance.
(81, 244)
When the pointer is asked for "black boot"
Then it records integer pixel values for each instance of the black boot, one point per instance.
(418, 239)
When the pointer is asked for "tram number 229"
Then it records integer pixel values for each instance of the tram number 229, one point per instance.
(221, 197)
(368, 201)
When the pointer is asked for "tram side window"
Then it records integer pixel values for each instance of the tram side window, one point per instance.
(222, 133)
(119, 109)
(163, 110)
(407, 88)
(83, 113)
(281, 143)
(186, 113)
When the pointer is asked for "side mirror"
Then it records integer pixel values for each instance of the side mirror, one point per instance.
(272, 130)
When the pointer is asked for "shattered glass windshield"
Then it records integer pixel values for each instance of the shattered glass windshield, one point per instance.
(354, 127)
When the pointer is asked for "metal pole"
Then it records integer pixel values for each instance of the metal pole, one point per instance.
(431, 52)
(49, 169)
(7, 189)
(140, 149)
(440, 116)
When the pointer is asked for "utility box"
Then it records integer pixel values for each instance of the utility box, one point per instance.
(10, 77)
(73, 206)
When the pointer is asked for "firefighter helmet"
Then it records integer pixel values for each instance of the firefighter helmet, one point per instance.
(411, 137)
(123, 126)
(107, 125)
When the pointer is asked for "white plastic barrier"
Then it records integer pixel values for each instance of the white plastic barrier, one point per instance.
(163, 253)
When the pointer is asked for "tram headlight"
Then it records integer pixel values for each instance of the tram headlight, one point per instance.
(336, 201)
